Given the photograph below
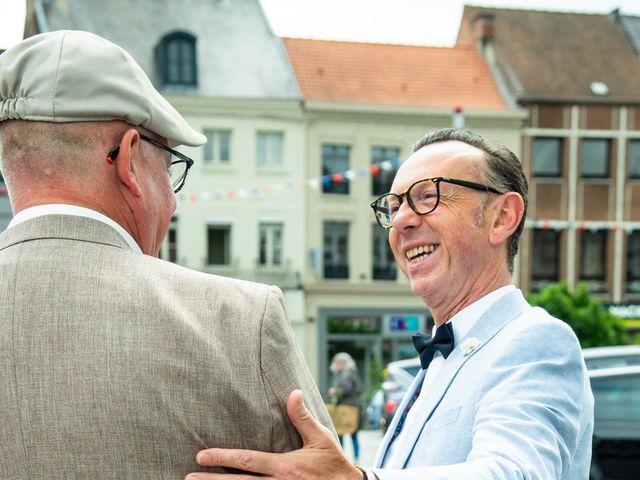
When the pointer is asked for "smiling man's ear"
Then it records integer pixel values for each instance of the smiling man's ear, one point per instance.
(509, 209)
(127, 163)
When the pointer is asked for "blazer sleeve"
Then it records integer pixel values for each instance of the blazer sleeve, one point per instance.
(533, 410)
(284, 369)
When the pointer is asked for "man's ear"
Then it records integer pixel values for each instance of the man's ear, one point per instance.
(128, 162)
(509, 209)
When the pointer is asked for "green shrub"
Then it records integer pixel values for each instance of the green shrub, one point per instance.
(594, 325)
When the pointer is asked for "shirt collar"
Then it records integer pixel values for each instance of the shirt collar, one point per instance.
(63, 209)
(466, 318)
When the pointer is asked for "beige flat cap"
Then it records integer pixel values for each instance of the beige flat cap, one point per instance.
(74, 76)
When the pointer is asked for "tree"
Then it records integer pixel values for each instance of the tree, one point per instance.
(594, 325)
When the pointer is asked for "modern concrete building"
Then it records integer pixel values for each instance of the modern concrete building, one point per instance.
(577, 77)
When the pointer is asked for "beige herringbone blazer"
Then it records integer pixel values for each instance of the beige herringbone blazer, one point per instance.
(116, 365)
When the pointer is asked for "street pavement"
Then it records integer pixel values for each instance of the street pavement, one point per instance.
(369, 441)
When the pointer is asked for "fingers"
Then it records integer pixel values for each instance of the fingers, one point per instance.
(220, 476)
(311, 431)
(247, 460)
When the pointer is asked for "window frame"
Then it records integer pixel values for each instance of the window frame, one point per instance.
(226, 254)
(381, 183)
(388, 268)
(338, 268)
(212, 150)
(559, 172)
(270, 244)
(187, 68)
(268, 149)
(607, 173)
(332, 187)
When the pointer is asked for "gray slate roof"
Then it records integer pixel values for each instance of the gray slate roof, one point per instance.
(630, 26)
(238, 54)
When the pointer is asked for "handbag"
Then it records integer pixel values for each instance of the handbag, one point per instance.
(345, 418)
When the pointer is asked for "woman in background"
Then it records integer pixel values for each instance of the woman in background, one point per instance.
(346, 390)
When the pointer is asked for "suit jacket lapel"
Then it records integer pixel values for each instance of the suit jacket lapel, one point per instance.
(382, 449)
(486, 327)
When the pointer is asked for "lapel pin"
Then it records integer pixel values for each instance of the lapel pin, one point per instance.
(469, 345)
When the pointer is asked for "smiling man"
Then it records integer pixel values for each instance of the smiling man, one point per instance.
(503, 392)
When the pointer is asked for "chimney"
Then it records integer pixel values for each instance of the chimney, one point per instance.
(483, 29)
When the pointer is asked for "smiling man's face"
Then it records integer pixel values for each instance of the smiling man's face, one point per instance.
(444, 253)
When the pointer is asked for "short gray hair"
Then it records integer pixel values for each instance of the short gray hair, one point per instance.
(503, 171)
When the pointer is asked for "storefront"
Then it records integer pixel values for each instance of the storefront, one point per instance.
(373, 337)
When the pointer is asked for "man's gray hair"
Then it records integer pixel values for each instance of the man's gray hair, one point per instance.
(503, 171)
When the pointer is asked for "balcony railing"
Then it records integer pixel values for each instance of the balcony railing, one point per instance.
(284, 276)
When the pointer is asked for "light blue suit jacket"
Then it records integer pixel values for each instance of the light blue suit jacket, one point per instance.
(519, 406)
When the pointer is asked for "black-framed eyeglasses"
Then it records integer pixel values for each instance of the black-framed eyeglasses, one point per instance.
(423, 197)
(178, 169)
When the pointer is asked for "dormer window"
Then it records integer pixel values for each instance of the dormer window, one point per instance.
(176, 60)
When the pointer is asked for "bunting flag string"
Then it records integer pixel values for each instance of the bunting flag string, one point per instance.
(324, 181)
(583, 225)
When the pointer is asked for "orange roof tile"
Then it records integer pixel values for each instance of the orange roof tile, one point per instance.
(385, 74)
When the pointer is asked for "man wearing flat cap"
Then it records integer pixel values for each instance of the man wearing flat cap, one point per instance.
(113, 363)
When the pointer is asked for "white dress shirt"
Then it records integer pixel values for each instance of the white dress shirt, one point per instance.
(461, 323)
(63, 209)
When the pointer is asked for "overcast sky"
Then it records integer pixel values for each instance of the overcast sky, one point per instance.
(419, 22)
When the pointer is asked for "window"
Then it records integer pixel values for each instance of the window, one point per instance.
(335, 160)
(381, 181)
(216, 150)
(269, 148)
(595, 157)
(169, 250)
(634, 159)
(547, 157)
(336, 250)
(633, 262)
(545, 260)
(617, 397)
(384, 265)
(270, 239)
(176, 59)
(593, 259)
(218, 245)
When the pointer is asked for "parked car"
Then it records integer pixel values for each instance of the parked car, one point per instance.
(374, 410)
(399, 376)
(616, 434)
(606, 357)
